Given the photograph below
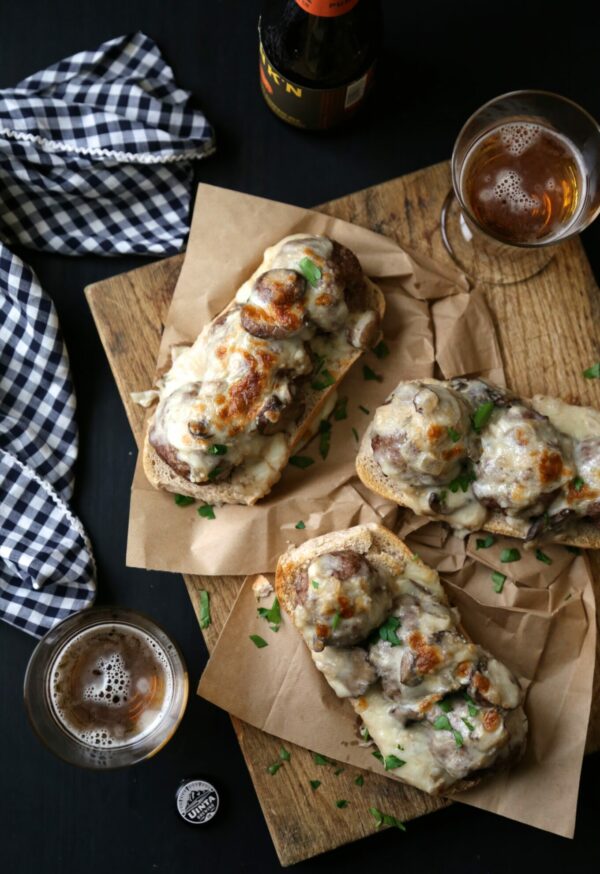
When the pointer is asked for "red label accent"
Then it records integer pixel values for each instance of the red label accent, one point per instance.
(327, 8)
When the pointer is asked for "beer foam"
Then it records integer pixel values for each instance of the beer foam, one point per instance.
(518, 137)
(508, 188)
(111, 689)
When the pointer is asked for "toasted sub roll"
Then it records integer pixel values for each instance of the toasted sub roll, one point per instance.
(476, 456)
(440, 710)
(253, 386)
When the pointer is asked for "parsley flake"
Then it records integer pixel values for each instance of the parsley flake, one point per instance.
(338, 771)
(386, 819)
(258, 641)
(340, 410)
(541, 556)
(577, 484)
(322, 760)
(509, 555)
(272, 614)
(183, 500)
(324, 380)
(314, 584)
(216, 471)
(387, 631)
(336, 620)
(381, 350)
(498, 581)
(360, 780)
(575, 550)
(442, 723)
(314, 784)
(207, 511)
(324, 438)
(310, 271)
(301, 461)
(272, 769)
(486, 542)
(482, 415)
(365, 410)
(453, 435)
(341, 803)
(217, 449)
(300, 525)
(446, 706)
(370, 375)
(392, 762)
(284, 754)
(205, 619)
(592, 372)
(469, 725)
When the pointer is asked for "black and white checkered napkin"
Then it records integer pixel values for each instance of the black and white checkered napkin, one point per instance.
(95, 157)
(95, 154)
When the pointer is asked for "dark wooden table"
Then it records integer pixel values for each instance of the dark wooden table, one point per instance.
(442, 60)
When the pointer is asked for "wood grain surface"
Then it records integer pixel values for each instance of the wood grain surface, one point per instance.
(549, 330)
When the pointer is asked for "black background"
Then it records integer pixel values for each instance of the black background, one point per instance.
(441, 61)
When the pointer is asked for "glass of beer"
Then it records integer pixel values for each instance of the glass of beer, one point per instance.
(106, 688)
(526, 177)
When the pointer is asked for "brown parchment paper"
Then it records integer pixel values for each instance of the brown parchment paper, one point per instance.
(542, 626)
(230, 232)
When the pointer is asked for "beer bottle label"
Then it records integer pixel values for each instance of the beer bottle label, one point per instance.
(327, 8)
(310, 108)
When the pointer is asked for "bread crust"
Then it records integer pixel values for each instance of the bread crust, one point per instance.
(240, 488)
(586, 535)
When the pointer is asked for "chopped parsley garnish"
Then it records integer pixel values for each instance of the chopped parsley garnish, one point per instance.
(364, 733)
(338, 771)
(310, 271)
(370, 374)
(272, 614)
(301, 461)
(458, 738)
(381, 350)
(324, 438)
(508, 555)
(360, 780)
(392, 762)
(592, 372)
(341, 803)
(314, 784)
(473, 711)
(322, 760)
(486, 542)
(577, 483)
(183, 500)
(272, 769)
(284, 754)
(482, 415)
(575, 550)
(216, 471)
(258, 641)
(205, 619)
(314, 584)
(445, 705)
(340, 410)
(335, 621)
(469, 725)
(217, 449)
(324, 380)
(541, 556)
(377, 755)
(387, 631)
(386, 819)
(463, 480)
(453, 435)
(498, 581)
(300, 525)
(355, 432)
(442, 723)
(365, 410)
(207, 511)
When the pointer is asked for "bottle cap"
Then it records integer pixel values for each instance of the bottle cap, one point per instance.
(197, 801)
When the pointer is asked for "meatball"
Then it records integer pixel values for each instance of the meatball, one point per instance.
(344, 601)
(423, 434)
(346, 670)
(276, 307)
(523, 462)
(478, 391)
(463, 742)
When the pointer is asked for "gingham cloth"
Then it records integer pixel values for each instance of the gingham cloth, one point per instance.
(95, 154)
(94, 157)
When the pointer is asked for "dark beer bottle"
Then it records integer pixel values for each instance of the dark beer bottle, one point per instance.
(317, 58)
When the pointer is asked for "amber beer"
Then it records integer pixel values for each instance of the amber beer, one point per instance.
(110, 684)
(523, 182)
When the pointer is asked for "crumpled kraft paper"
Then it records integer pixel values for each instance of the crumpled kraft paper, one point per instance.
(542, 625)
(427, 305)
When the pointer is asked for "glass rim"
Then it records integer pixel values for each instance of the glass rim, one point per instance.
(99, 615)
(521, 92)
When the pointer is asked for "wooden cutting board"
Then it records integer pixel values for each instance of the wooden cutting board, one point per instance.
(549, 330)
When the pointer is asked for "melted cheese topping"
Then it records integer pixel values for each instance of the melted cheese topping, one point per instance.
(229, 387)
(397, 683)
(523, 465)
